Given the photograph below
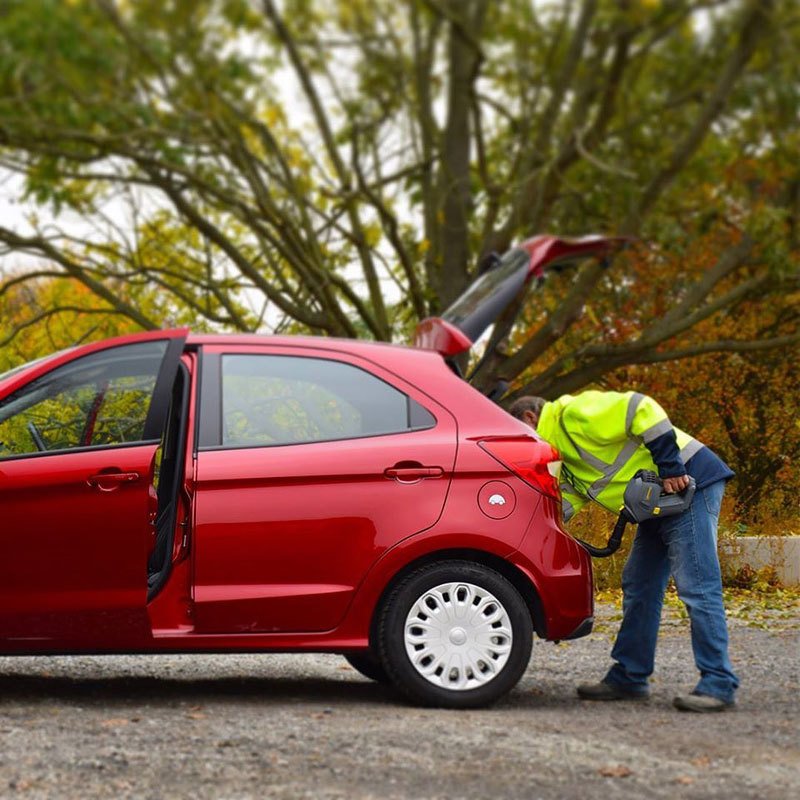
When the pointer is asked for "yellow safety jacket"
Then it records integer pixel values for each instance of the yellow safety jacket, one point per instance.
(602, 438)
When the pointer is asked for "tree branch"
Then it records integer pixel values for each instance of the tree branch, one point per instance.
(754, 22)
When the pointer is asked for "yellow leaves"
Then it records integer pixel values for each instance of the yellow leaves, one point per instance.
(355, 13)
(424, 246)
(613, 596)
(592, 316)
(373, 233)
(762, 606)
(296, 157)
(272, 115)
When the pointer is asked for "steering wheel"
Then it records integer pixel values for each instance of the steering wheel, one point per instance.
(36, 436)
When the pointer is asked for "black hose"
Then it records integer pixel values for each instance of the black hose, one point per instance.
(614, 540)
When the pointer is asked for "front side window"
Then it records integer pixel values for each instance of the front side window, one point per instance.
(274, 400)
(99, 400)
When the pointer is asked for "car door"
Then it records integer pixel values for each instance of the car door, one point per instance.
(311, 463)
(77, 444)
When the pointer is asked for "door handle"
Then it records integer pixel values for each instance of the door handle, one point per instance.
(410, 472)
(109, 481)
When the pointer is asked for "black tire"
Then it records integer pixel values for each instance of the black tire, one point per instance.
(423, 690)
(368, 665)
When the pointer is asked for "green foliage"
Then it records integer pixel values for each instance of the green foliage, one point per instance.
(339, 167)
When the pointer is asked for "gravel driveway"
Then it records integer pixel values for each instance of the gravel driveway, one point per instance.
(309, 726)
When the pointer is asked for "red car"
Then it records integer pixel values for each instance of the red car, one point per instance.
(166, 492)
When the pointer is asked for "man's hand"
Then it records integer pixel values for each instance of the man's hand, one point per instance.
(673, 485)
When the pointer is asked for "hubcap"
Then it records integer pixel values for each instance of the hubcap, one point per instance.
(458, 636)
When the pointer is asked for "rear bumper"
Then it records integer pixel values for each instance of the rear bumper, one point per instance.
(584, 629)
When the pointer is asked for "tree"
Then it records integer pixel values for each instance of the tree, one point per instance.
(744, 417)
(339, 167)
(53, 314)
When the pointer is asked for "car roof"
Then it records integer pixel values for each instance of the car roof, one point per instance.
(390, 356)
(378, 351)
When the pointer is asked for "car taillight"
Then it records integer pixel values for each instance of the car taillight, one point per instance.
(536, 462)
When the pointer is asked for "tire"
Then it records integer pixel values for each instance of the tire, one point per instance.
(368, 665)
(466, 628)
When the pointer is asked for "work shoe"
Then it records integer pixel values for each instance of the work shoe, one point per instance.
(701, 703)
(609, 691)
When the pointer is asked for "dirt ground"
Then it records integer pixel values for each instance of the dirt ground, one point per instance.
(309, 726)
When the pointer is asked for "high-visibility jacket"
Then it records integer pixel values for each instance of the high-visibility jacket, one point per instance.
(602, 438)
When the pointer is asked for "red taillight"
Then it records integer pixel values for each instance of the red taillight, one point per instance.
(535, 461)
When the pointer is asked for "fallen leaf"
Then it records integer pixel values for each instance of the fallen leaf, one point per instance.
(114, 722)
(615, 771)
(196, 715)
(684, 779)
(701, 761)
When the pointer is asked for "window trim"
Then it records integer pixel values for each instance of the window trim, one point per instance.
(210, 397)
(65, 451)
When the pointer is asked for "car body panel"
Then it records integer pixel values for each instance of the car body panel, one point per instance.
(308, 519)
(280, 548)
(66, 572)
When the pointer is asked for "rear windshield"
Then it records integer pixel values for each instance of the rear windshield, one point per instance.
(485, 300)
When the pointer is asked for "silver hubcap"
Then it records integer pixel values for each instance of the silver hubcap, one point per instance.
(458, 636)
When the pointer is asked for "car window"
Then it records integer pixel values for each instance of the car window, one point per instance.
(99, 400)
(272, 400)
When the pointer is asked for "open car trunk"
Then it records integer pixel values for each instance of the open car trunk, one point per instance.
(462, 324)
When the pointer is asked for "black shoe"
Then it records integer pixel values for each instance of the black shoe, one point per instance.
(609, 691)
(701, 703)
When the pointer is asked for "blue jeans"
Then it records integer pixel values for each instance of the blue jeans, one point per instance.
(684, 546)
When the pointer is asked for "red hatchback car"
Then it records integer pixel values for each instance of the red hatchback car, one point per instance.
(166, 492)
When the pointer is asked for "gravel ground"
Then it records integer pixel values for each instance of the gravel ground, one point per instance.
(309, 726)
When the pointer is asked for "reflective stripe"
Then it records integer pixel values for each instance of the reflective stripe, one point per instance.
(690, 449)
(591, 459)
(631, 446)
(567, 509)
(659, 429)
(633, 404)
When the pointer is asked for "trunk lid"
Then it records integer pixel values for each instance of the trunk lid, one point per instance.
(462, 324)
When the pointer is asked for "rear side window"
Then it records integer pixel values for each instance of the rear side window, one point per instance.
(99, 400)
(278, 400)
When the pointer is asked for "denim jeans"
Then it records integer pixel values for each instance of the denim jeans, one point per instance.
(684, 546)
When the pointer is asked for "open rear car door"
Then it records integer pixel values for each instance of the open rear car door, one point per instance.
(462, 324)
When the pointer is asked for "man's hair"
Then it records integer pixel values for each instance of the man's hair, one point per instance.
(527, 403)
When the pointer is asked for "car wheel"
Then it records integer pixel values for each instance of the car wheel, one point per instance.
(368, 665)
(455, 634)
